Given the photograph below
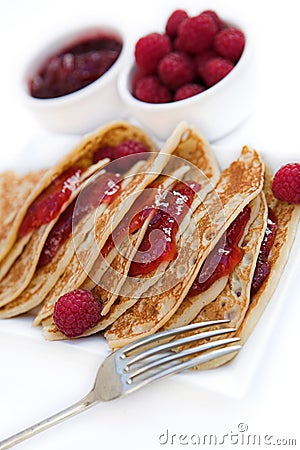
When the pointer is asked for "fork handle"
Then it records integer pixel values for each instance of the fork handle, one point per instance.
(78, 407)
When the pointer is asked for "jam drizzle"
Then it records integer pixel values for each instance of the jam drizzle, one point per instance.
(224, 257)
(103, 190)
(159, 242)
(48, 204)
(135, 218)
(263, 265)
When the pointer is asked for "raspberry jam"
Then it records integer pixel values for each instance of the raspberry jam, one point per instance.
(135, 218)
(263, 265)
(224, 257)
(49, 203)
(75, 66)
(159, 242)
(104, 190)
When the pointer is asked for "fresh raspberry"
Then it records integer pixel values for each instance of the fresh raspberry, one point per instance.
(196, 34)
(174, 21)
(220, 24)
(76, 312)
(177, 46)
(150, 49)
(150, 89)
(103, 152)
(202, 59)
(230, 43)
(130, 147)
(286, 183)
(176, 69)
(125, 148)
(215, 70)
(188, 90)
(136, 76)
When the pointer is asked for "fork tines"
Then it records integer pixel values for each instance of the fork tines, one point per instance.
(156, 357)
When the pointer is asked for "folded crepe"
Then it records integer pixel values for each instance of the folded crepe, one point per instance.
(214, 283)
(13, 285)
(21, 192)
(239, 302)
(108, 279)
(17, 268)
(194, 161)
(86, 252)
(139, 304)
(15, 190)
(239, 184)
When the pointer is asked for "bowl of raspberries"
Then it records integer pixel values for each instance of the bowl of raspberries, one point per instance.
(197, 69)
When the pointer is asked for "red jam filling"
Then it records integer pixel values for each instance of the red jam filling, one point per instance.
(75, 66)
(134, 219)
(159, 242)
(263, 265)
(224, 257)
(103, 190)
(48, 204)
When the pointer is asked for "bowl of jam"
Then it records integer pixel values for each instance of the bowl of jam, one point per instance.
(70, 85)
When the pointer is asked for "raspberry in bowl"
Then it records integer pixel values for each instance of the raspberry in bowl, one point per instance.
(198, 69)
(70, 85)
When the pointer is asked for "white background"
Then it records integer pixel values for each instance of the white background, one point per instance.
(38, 378)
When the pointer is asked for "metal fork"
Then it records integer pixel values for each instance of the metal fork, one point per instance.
(140, 363)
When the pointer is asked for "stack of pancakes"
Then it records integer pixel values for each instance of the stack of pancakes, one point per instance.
(139, 304)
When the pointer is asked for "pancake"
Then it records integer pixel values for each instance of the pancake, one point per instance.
(45, 277)
(34, 184)
(21, 191)
(193, 304)
(14, 192)
(110, 284)
(76, 248)
(238, 185)
(227, 305)
(82, 262)
(21, 272)
(189, 147)
(195, 150)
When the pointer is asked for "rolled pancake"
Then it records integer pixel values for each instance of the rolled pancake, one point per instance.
(69, 255)
(192, 305)
(193, 148)
(14, 192)
(110, 134)
(238, 185)
(110, 284)
(70, 258)
(13, 285)
(227, 305)
(79, 267)
(44, 277)
(196, 150)
(20, 274)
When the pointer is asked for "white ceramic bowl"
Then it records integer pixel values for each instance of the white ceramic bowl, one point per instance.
(83, 110)
(216, 112)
